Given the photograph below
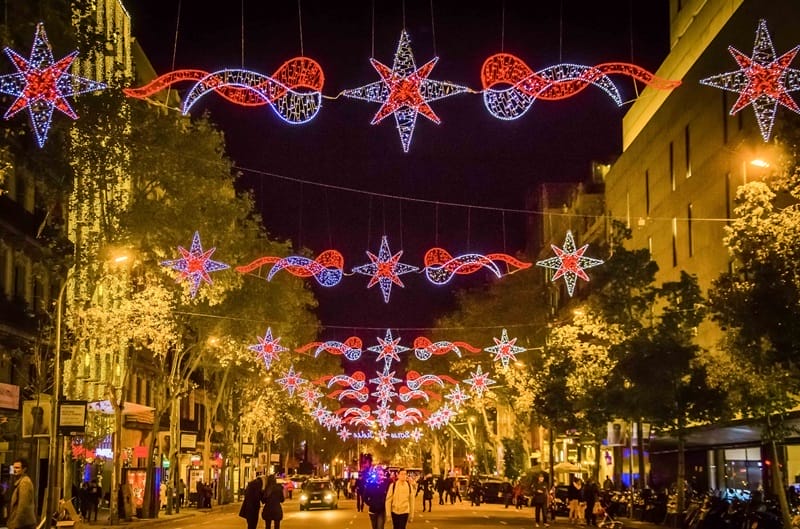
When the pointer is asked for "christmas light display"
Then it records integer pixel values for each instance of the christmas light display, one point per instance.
(521, 86)
(479, 381)
(356, 381)
(440, 266)
(416, 435)
(294, 91)
(268, 348)
(42, 85)
(504, 349)
(457, 397)
(405, 91)
(761, 80)
(344, 434)
(388, 348)
(350, 348)
(404, 416)
(326, 268)
(385, 269)
(569, 263)
(310, 396)
(424, 348)
(406, 394)
(291, 381)
(195, 264)
(415, 380)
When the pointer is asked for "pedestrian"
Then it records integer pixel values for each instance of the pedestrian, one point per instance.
(95, 493)
(83, 500)
(426, 486)
(181, 492)
(574, 500)
(589, 498)
(455, 493)
(441, 488)
(273, 497)
(375, 498)
(475, 492)
(290, 488)
(251, 504)
(21, 509)
(360, 482)
(540, 494)
(400, 501)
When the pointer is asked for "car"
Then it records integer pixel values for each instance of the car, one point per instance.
(298, 480)
(318, 493)
(494, 490)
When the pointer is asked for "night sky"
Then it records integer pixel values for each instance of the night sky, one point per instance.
(470, 158)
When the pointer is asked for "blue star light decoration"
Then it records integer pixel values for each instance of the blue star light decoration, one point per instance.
(41, 84)
(762, 80)
(504, 349)
(385, 269)
(405, 90)
(268, 348)
(569, 263)
(195, 264)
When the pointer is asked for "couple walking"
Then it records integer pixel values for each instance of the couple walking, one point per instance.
(264, 490)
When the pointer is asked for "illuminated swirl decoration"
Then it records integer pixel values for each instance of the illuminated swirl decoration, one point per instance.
(350, 348)
(294, 91)
(42, 85)
(405, 91)
(424, 348)
(440, 266)
(520, 86)
(195, 264)
(326, 268)
(762, 80)
(569, 263)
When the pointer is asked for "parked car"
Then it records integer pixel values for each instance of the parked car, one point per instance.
(318, 493)
(494, 489)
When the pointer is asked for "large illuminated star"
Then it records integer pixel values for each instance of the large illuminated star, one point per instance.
(195, 264)
(291, 381)
(504, 349)
(405, 90)
(385, 269)
(41, 84)
(268, 348)
(479, 381)
(388, 350)
(569, 262)
(761, 81)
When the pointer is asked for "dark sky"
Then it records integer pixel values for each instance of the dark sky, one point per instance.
(471, 157)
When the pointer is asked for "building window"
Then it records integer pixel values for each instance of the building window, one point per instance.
(687, 151)
(674, 241)
(689, 226)
(3, 270)
(38, 296)
(20, 280)
(647, 191)
(724, 117)
(672, 165)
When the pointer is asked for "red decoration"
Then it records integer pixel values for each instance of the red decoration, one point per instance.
(351, 348)
(385, 269)
(569, 263)
(195, 264)
(424, 348)
(326, 268)
(440, 266)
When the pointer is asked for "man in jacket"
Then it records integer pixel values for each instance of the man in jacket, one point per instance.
(540, 494)
(400, 501)
(21, 509)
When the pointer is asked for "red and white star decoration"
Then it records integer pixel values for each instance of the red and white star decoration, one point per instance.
(388, 349)
(195, 264)
(41, 84)
(385, 269)
(268, 348)
(479, 381)
(457, 397)
(504, 349)
(569, 262)
(761, 81)
(291, 381)
(405, 90)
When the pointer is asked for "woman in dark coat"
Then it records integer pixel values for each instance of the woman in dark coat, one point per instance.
(273, 497)
(251, 505)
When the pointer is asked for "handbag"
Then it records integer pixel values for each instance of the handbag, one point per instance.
(597, 509)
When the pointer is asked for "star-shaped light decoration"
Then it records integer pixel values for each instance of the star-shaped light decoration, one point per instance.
(405, 90)
(388, 350)
(761, 81)
(195, 264)
(569, 263)
(504, 349)
(41, 84)
(457, 397)
(291, 381)
(344, 434)
(416, 434)
(479, 381)
(381, 436)
(268, 348)
(385, 269)
(311, 396)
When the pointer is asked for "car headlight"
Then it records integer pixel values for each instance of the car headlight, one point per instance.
(304, 497)
(328, 496)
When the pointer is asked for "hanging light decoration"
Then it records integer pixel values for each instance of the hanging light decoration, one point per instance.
(569, 263)
(440, 266)
(267, 348)
(385, 269)
(195, 265)
(504, 349)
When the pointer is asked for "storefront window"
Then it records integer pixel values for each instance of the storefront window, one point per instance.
(743, 468)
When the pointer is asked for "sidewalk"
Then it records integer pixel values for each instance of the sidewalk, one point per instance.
(187, 512)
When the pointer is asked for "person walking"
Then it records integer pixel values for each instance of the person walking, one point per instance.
(400, 501)
(540, 494)
(273, 497)
(251, 505)
(375, 499)
(589, 498)
(21, 508)
(441, 487)
(181, 492)
(574, 499)
(94, 495)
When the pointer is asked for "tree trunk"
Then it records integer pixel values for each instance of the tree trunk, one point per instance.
(779, 486)
(640, 448)
(116, 473)
(681, 487)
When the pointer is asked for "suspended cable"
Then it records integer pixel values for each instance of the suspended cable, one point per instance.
(503, 27)
(560, 30)
(242, 34)
(433, 31)
(372, 55)
(404, 13)
(300, 23)
(630, 31)
(175, 46)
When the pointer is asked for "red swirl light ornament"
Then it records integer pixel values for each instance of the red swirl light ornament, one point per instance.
(440, 266)
(424, 348)
(510, 87)
(350, 348)
(294, 91)
(327, 268)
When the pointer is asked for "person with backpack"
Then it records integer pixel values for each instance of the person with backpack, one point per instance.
(375, 490)
(400, 501)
